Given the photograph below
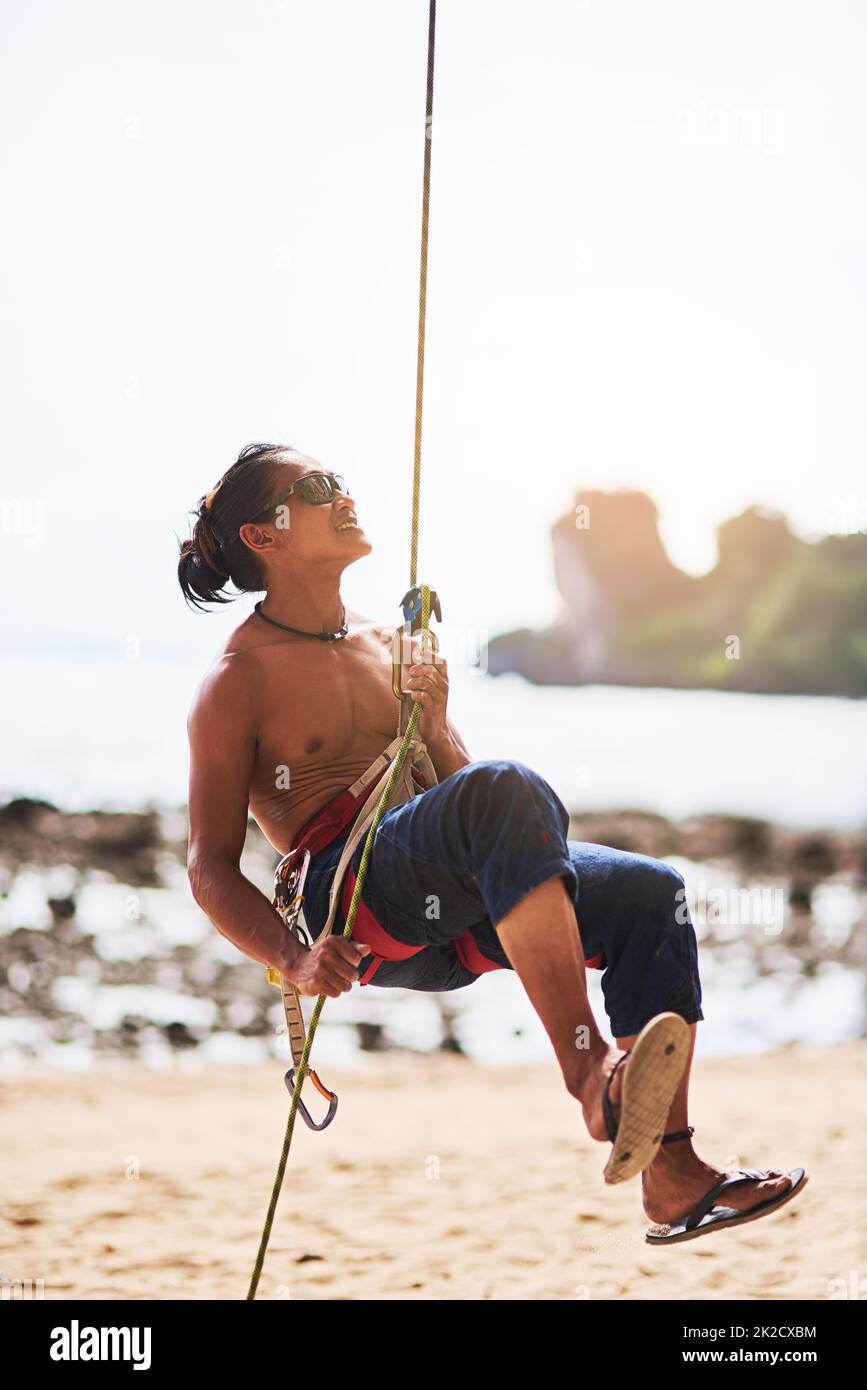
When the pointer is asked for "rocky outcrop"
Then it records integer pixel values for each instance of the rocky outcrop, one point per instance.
(775, 614)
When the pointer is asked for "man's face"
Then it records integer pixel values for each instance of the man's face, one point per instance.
(316, 532)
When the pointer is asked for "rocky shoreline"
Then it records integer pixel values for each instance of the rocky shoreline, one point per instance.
(131, 845)
(102, 946)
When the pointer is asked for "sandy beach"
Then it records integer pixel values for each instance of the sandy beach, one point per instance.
(439, 1179)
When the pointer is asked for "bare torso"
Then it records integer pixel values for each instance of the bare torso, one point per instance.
(280, 725)
(324, 711)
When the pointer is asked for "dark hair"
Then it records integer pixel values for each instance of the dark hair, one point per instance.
(215, 554)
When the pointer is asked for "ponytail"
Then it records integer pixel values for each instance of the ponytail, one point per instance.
(200, 575)
(215, 553)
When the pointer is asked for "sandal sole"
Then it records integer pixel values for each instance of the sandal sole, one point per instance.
(651, 1076)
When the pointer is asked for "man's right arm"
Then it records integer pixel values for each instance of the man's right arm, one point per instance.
(222, 734)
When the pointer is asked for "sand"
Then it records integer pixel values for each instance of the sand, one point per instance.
(439, 1179)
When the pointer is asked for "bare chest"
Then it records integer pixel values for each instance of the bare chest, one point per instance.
(323, 707)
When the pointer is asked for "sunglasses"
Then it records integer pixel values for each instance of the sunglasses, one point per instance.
(315, 488)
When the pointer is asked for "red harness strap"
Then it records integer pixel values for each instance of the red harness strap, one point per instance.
(317, 834)
(325, 825)
(320, 831)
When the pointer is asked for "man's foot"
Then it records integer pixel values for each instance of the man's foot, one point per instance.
(627, 1096)
(590, 1093)
(674, 1183)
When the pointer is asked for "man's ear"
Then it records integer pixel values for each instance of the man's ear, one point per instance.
(256, 538)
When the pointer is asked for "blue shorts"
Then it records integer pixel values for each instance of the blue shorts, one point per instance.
(448, 865)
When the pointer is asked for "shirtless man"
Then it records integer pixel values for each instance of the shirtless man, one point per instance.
(277, 698)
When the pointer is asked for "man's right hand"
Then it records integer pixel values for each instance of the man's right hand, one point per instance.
(330, 967)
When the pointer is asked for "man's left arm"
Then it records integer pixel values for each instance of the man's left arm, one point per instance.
(448, 753)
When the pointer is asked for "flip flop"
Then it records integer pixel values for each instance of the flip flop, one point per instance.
(706, 1217)
(654, 1066)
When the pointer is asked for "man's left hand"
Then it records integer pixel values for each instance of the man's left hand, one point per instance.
(428, 683)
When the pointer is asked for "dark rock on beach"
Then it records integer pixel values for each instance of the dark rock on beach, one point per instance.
(122, 843)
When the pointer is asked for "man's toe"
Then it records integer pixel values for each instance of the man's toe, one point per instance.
(760, 1190)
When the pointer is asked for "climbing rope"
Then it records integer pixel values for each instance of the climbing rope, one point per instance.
(301, 1069)
(422, 297)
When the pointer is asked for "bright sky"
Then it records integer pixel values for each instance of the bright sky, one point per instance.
(647, 269)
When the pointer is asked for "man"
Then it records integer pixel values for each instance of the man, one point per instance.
(473, 873)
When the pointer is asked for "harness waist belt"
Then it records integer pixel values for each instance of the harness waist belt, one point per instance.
(323, 828)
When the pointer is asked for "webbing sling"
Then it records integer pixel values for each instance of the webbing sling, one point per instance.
(288, 900)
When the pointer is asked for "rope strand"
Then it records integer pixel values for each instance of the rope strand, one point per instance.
(422, 294)
(397, 766)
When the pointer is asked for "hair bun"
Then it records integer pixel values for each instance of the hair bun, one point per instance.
(215, 557)
(209, 544)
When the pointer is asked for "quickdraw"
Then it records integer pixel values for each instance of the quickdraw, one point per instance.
(289, 878)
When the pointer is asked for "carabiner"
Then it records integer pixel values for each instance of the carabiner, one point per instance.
(411, 627)
(331, 1097)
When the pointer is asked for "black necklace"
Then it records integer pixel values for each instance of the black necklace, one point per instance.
(323, 636)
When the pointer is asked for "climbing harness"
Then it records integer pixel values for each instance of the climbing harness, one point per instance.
(403, 754)
(290, 876)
